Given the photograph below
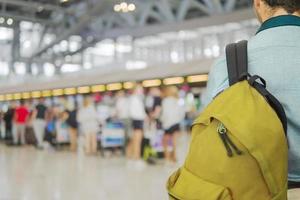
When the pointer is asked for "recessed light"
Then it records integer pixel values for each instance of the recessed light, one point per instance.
(2, 20)
(10, 21)
(131, 7)
(117, 8)
(40, 8)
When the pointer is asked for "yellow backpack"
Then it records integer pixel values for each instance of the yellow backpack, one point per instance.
(239, 148)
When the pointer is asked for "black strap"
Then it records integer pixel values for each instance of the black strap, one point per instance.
(294, 185)
(274, 103)
(237, 66)
(237, 61)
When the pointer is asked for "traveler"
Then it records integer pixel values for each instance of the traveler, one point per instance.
(8, 119)
(172, 115)
(73, 125)
(153, 105)
(20, 120)
(122, 111)
(274, 55)
(39, 122)
(89, 125)
(137, 114)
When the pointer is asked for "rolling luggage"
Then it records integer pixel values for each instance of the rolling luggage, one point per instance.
(30, 136)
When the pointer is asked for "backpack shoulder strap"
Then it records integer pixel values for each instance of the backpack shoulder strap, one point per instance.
(237, 61)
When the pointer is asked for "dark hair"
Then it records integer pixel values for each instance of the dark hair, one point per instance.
(290, 6)
(22, 102)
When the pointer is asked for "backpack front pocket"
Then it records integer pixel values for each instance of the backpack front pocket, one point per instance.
(183, 185)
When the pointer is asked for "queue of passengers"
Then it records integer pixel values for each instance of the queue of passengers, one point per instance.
(133, 109)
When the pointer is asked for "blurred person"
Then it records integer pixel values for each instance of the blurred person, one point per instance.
(51, 120)
(2, 131)
(58, 127)
(30, 137)
(154, 103)
(104, 110)
(20, 119)
(273, 53)
(122, 111)
(73, 125)
(8, 120)
(152, 123)
(89, 124)
(39, 122)
(171, 117)
(137, 114)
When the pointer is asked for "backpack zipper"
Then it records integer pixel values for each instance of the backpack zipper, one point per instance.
(173, 197)
(228, 143)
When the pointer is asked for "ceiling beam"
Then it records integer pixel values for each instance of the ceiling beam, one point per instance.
(83, 22)
(240, 15)
(32, 4)
(18, 17)
(215, 20)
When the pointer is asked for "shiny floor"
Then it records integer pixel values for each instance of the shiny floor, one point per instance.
(28, 174)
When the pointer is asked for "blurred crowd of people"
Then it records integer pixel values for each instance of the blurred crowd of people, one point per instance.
(45, 122)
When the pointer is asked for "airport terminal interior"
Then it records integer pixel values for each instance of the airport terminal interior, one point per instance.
(97, 97)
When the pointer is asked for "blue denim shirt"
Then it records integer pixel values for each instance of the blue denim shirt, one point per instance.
(274, 54)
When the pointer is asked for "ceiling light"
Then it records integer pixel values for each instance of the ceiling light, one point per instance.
(131, 7)
(114, 86)
(197, 78)
(8, 97)
(58, 92)
(70, 91)
(84, 90)
(173, 81)
(123, 5)
(2, 97)
(17, 96)
(125, 10)
(63, 1)
(46, 93)
(152, 83)
(26, 95)
(98, 88)
(128, 85)
(2, 20)
(117, 8)
(40, 8)
(10, 21)
(36, 94)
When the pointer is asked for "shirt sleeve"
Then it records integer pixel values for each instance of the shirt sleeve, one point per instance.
(217, 82)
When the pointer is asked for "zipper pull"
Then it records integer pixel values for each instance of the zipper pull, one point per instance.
(222, 133)
(236, 149)
(227, 141)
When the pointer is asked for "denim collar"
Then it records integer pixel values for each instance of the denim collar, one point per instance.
(283, 20)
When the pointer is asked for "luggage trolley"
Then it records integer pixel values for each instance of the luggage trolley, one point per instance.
(112, 136)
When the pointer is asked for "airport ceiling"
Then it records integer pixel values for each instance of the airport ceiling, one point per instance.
(95, 20)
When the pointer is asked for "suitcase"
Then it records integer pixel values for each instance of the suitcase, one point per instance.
(30, 136)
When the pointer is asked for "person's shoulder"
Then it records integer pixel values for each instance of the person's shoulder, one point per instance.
(219, 68)
(221, 61)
